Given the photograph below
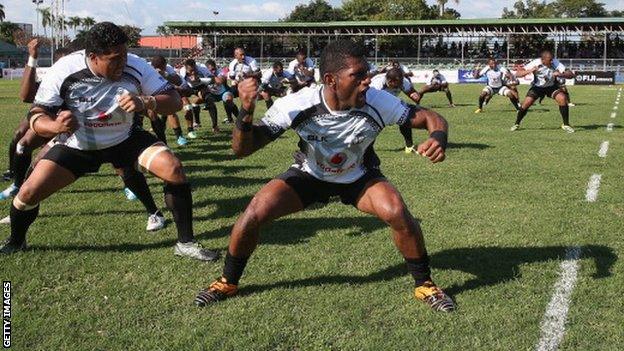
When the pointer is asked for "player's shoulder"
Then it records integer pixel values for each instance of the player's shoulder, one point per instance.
(379, 99)
(68, 65)
(378, 81)
(535, 62)
(299, 101)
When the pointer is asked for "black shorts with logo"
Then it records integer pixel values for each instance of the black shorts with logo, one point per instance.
(539, 92)
(311, 189)
(122, 155)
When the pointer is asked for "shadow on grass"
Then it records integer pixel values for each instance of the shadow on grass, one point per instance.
(476, 146)
(596, 126)
(489, 265)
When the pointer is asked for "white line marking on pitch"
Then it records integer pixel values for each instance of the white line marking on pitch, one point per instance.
(613, 114)
(592, 187)
(604, 148)
(553, 323)
(610, 127)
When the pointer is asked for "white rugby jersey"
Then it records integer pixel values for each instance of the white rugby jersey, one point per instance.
(338, 145)
(274, 81)
(238, 70)
(495, 77)
(294, 68)
(543, 77)
(437, 79)
(71, 85)
(214, 87)
(379, 82)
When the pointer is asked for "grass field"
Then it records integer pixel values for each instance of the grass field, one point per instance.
(498, 215)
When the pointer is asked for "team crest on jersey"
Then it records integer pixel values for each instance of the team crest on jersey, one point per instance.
(338, 159)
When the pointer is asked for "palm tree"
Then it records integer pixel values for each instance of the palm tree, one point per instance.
(442, 4)
(47, 19)
(88, 22)
(163, 30)
(74, 22)
(2, 14)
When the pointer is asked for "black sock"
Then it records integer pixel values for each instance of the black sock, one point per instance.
(233, 268)
(12, 148)
(521, 113)
(565, 114)
(188, 116)
(406, 131)
(515, 103)
(180, 201)
(196, 112)
(227, 106)
(20, 222)
(21, 163)
(136, 182)
(158, 126)
(481, 101)
(268, 103)
(419, 269)
(177, 132)
(212, 111)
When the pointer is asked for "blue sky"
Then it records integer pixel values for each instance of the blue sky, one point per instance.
(150, 14)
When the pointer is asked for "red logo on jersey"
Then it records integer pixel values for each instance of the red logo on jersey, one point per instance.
(338, 159)
(103, 116)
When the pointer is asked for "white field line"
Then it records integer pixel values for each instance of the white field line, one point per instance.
(553, 323)
(610, 127)
(604, 148)
(613, 114)
(592, 187)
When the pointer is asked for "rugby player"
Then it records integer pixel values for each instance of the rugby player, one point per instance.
(89, 99)
(338, 122)
(302, 71)
(496, 77)
(195, 78)
(170, 74)
(396, 64)
(218, 90)
(27, 141)
(273, 83)
(394, 82)
(546, 72)
(437, 83)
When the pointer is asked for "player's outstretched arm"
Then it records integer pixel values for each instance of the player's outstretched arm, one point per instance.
(28, 86)
(567, 74)
(246, 137)
(47, 125)
(165, 103)
(434, 147)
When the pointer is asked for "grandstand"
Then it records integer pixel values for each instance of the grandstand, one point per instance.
(581, 43)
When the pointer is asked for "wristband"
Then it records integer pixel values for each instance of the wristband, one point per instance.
(242, 125)
(441, 137)
(32, 62)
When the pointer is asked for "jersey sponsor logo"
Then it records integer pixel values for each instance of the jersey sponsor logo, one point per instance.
(316, 138)
(338, 159)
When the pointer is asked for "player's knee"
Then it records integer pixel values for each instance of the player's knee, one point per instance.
(253, 217)
(176, 171)
(395, 213)
(27, 196)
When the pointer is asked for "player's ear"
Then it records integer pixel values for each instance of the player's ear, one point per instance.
(329, 79)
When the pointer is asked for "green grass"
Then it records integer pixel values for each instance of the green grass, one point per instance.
(497, 215)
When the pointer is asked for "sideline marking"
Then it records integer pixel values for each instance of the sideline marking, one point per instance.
(604, 148)
(593, 187)
(610, 127)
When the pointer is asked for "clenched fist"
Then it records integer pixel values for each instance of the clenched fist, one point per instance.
(432, 149)
(66, 122)
(33, 48)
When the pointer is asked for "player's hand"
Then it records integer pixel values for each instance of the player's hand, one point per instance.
(247, 92)
(33, 48)
(432, 149)
(66, 122)
(131, 103)
(556, 74)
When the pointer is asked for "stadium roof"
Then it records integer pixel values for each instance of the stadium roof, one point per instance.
(470, 27)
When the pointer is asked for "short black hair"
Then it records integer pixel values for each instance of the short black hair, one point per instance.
(159, 61)
(334, 56)
(278, 64)
(103, 36)
(62, 51)
(547, 51)
(189, 62)
(302, 52)
(394, 74)
(491, 59)
(211, 62)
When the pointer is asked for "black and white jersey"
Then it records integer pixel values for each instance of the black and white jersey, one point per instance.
(543, 76)
(203, 75)
(273, 80)
(495, 77)
(238, 70)
(437, 79)
(338, 145)
(71, 85)
(296, 69)
(379, 82)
